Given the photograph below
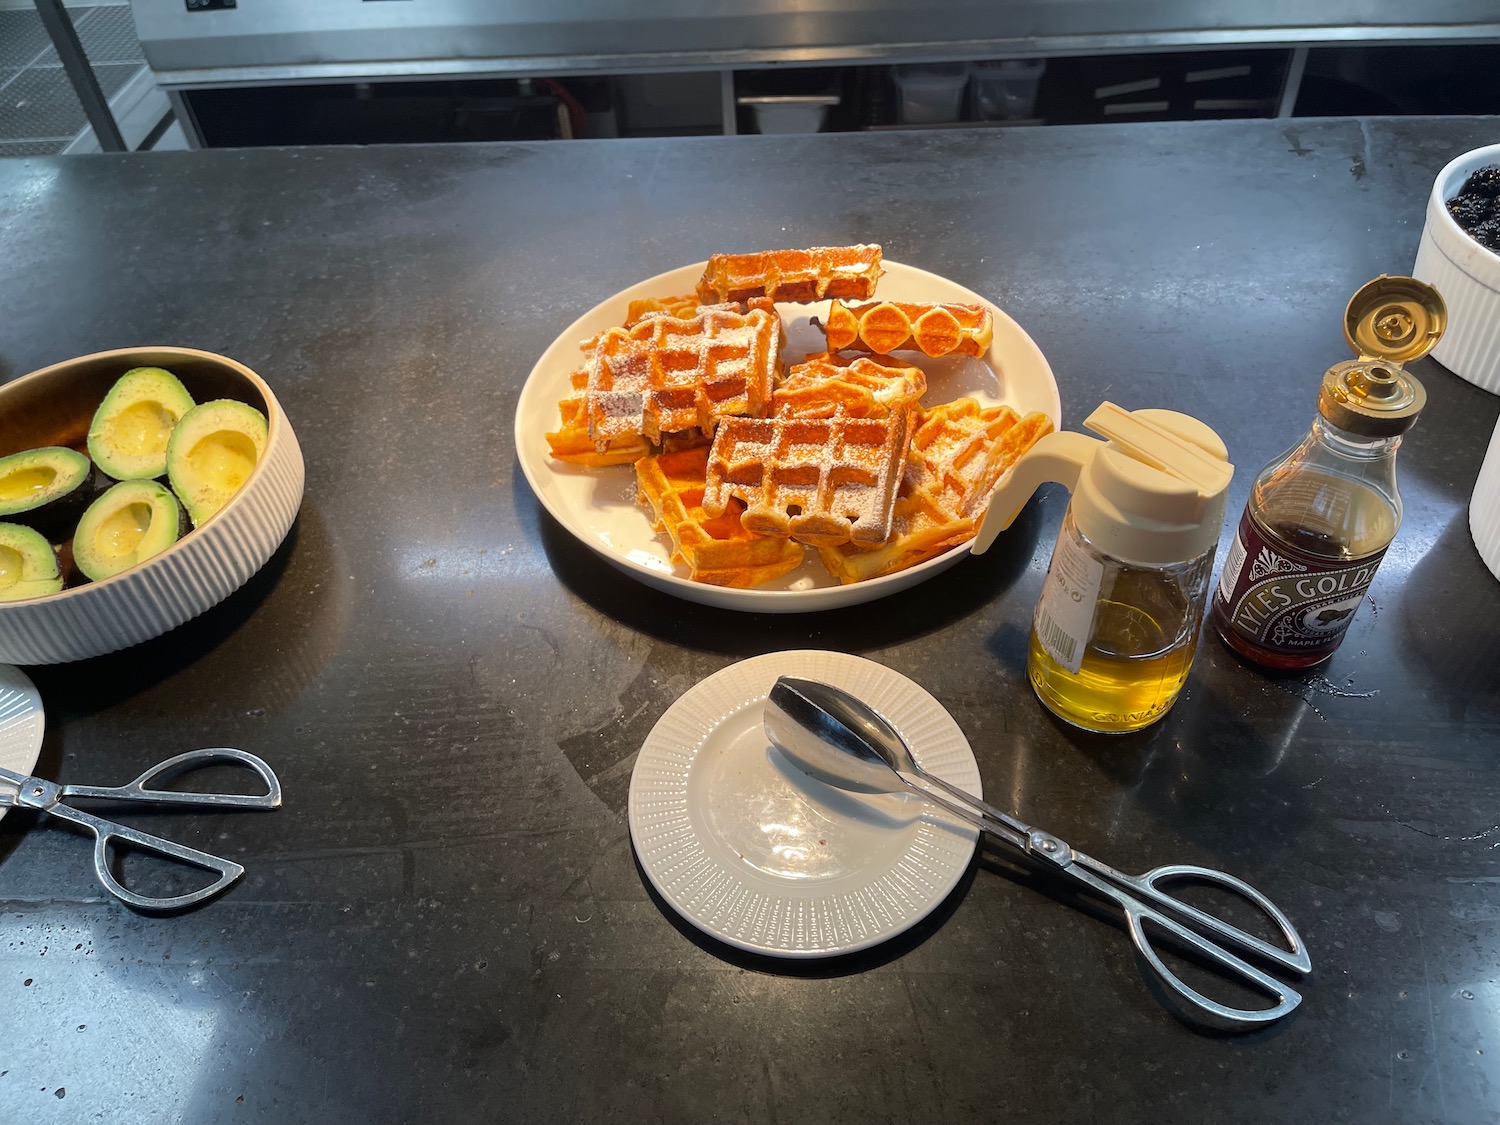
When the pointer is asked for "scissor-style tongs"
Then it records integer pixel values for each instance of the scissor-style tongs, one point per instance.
(838, 738)
(1142, 902)
(20, 791)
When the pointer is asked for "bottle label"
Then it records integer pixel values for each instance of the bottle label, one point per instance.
(1286, 600)
(1065, 611)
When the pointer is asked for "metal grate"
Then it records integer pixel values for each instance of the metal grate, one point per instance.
(33, 148)
(108, 35)
(113, 76)
(22, 38)
(40, 102)
(39, 111)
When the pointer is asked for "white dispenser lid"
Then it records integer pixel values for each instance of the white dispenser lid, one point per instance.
(1155, 492)
(1152, 494)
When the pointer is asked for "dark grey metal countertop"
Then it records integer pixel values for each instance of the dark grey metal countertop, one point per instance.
(446, 921)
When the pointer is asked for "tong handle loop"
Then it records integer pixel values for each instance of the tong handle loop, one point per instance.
(1292, 956)
(1144, 903)
(1204, 1009)
(141, 789)
(107, 832)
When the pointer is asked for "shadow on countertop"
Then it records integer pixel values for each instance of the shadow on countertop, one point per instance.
(925, 608)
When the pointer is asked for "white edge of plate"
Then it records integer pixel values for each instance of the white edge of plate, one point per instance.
(20, 706)
(745, 600)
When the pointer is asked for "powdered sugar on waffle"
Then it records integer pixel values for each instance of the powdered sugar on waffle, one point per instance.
(666, 374)
(822, 481)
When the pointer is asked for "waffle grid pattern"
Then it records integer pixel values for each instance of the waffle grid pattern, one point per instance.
(822, 481)
(793, 276)
(667, 374)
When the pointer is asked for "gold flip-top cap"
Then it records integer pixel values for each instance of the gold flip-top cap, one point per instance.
(1395, 318)
(1389, 322)
(1371, 397)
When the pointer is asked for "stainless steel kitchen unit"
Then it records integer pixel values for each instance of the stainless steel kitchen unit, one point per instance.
(217, 42)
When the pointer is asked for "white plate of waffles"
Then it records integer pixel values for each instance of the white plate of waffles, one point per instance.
(756, 853)
(599, 506)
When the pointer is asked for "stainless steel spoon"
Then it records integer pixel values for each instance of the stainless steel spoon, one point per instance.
(838, 739)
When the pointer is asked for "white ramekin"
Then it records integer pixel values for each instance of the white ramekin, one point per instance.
(1467, 275)
(1484, 509)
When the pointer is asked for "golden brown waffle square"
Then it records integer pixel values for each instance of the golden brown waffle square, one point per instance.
(669, 373)
(821, 481)
(715, 549)
(571, 441)
(887, 326)
(958, 453)
(813, 274)
(862, 387)
(682, 307)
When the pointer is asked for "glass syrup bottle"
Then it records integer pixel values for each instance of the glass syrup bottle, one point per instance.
(1321, 516)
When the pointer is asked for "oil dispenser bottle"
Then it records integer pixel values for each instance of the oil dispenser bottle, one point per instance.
(1321, 515)
(1117, 623)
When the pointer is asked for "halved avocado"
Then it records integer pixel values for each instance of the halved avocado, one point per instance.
(45, 488)
(129, 434)
(28, 566)
(213, 451)
(130, 523)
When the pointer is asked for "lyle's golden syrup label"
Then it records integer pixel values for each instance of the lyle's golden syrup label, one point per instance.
(1288, 600)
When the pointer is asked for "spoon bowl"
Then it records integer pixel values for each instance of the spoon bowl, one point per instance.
(834, 737)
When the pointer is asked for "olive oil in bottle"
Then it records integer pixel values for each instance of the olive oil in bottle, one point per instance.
(1115, 629)
(1140, 644)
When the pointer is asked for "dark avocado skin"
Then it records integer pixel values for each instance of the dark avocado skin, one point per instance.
(57, 518)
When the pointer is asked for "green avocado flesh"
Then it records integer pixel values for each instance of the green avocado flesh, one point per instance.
(129, 434)
(28, 568)
(132, 522)
(38, 477)
(212, 453)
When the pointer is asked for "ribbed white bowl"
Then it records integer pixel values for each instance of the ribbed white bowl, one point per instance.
(1484, 509)
(1466, 274)
(201, 569)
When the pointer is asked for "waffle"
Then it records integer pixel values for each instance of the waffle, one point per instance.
(958, 453)
(571, 441)
(887, 326)
(668, 373)
(862, 387)
(821, 481)
(717, 550)
(792, 275)
(681, 307)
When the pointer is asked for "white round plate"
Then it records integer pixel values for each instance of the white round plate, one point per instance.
(756, 853)
(598, 506)
(22, 722)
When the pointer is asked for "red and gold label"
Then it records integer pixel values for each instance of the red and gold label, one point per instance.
(1284, 600)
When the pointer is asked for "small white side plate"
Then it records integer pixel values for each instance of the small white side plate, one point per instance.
(757, 854)
(22, 723)
(598, 506)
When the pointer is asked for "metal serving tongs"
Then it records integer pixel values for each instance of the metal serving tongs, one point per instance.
(47, 796)
(836, 738)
